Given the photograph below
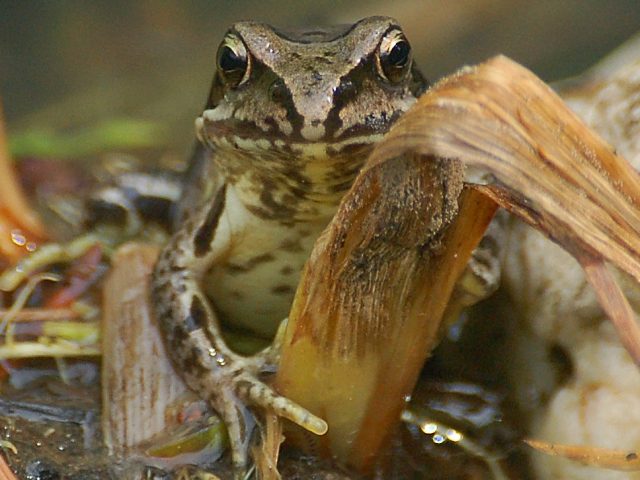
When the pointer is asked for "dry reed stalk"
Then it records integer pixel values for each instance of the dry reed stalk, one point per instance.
(362, 316)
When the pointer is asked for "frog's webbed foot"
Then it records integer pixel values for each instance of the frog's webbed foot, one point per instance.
(246, 386)
(239, 388)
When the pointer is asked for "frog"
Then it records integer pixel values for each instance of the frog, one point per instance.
(290, 119)
(291, 116)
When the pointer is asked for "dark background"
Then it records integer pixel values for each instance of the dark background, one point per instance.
(69, 63)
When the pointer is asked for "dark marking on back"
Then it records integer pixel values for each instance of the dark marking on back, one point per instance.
(316, 35)
(206, 231)
(242, 424)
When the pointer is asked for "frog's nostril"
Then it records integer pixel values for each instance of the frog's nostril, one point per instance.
(278, 91)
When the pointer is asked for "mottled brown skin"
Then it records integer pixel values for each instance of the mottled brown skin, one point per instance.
(289, 122)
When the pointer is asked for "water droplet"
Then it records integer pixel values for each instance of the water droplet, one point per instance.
(453, 435)
(18, 238)
(438, 439)
(429, 428)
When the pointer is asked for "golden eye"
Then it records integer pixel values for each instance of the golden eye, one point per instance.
(394, 57)
(233, 61)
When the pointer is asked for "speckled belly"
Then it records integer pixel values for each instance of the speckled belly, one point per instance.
(253, 288)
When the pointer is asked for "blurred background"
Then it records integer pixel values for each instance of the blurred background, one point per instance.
(66, 64)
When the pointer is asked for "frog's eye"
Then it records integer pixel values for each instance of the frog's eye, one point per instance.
(394, 57)
(233, 61)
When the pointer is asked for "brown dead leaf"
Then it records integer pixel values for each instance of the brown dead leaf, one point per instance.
(523, 148)
(528, 151)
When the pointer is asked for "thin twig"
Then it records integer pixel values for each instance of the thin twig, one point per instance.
(42, 314)
(58, 349)
(621, 460)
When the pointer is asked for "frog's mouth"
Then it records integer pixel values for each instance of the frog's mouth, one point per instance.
(319, 171)
(221, 132)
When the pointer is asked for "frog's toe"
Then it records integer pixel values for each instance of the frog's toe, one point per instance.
(240, 423)
(259, 394)
(245, 390)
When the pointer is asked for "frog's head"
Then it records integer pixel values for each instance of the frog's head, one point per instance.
(298, 111)
(337, 86)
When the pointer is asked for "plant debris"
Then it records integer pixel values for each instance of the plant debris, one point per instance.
(521, 147)
(623, 460)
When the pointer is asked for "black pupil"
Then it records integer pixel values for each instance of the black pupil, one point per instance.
(399, 54)
(230, 61)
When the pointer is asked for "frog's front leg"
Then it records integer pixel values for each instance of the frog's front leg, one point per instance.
(194, 338)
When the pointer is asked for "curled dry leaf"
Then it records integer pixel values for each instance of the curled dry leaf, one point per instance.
(536, 158)
(521, 147)
(593, 456)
